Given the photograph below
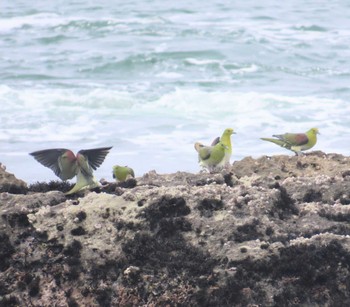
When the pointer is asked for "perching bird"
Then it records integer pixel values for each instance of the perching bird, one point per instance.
(296, 142)
(211, 157)
(226, 140)
(66, 165)
(122, 173)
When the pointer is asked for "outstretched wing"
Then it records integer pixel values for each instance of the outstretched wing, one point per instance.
(50, 158)
(95, 156)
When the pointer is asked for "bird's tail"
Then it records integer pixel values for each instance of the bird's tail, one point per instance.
(82, 182)
(198, 146)
(276, 141)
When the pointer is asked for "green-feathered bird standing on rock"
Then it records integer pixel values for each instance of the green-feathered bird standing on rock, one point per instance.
(211, 157)
(122, 173)
(217, 155)
(296, 142)
(66, 165)
(226, 140)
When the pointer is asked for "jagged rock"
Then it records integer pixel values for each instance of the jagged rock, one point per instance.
(271, 232)
(9, 183)
(281, 166)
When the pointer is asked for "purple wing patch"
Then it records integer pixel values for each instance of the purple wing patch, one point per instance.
(294, 139)
(301, 139)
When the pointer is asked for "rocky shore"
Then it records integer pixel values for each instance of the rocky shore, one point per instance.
(272, 231)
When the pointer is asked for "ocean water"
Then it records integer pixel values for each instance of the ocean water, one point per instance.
(150, 78)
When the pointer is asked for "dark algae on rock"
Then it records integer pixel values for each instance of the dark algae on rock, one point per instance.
(272, 231)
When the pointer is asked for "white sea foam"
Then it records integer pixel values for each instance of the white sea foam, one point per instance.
(194, 61)
(45, 20)
(248, 69)
(36, 20)
(169, 75)
(187, 103)
(168, 126)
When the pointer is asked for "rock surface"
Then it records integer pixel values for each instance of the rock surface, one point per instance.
(9, 183)
(272, 231)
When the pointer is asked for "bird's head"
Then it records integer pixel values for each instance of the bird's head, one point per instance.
(314, 131)
(229, 131)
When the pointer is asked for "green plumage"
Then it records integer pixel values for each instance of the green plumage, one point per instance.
(217, 155)
(296, 142)
(211, 157)
(122, 173)
(226, 140)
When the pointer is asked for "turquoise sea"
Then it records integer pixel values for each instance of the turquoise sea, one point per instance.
(150, 78)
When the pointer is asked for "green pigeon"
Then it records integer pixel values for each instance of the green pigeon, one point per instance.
(65, 164)
(211, 157)
(122, 173)
(225, 139)
(296, 142)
